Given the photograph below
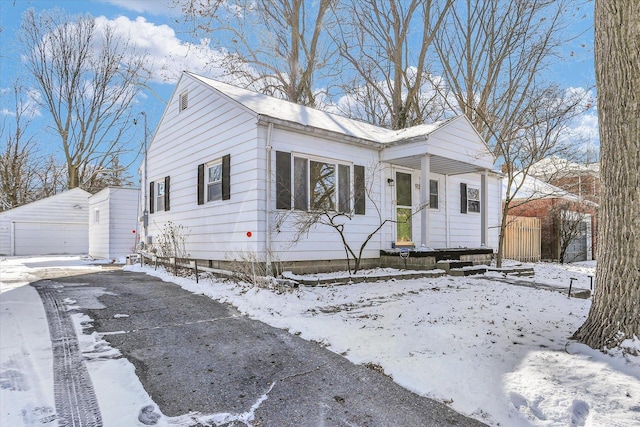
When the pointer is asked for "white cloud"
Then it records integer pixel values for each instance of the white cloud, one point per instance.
(585, 126)
(29, 103)
(167, 55)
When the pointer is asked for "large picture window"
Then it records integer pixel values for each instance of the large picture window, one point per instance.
(300, 184)
(322, 183)
(313, 184)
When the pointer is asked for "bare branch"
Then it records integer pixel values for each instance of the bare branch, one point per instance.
(88, 78)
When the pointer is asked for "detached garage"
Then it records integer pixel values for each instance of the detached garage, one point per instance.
(53, 226)
(113, 222)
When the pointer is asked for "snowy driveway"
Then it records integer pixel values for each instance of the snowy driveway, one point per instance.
(200, 362)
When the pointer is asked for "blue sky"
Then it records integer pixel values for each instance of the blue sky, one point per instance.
(155, 26)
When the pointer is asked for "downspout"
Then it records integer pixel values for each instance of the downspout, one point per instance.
(268, 203)
(446, 212)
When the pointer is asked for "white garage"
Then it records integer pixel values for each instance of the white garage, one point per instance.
(113, 222)
(56, 225)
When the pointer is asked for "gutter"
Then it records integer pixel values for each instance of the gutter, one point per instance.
(268, 180)
(311, 130)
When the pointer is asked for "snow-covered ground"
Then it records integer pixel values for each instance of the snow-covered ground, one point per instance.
(497, 352)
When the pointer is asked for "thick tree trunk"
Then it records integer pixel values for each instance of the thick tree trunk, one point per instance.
(615, 312)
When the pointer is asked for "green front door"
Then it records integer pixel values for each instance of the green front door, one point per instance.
(403, 209)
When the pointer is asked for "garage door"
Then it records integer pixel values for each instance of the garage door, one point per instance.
(50, 238)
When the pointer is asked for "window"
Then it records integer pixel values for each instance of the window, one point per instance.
(359, 191)
(159, 195)
(473, 199)
(344, 186)
(184, 101)
(318, 185)
(433, 194)
(404, 229)
(283, 180)
(322, 183)
(214, 181)
(96, 216)
(469, 199)
(300, 184)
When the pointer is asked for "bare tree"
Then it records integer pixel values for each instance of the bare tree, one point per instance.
(52, 177)
(545, 134)
(276, 46)
(87, 77)
(386, 43)
(19, 163)
(615, 311)
(323, 211)
(492, 54)
(570, 218)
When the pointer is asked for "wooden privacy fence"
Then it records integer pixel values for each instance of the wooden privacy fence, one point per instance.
(522, 239)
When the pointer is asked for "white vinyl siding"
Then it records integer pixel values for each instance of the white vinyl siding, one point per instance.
(323, 242)
(214, 126)
(209, 129)
(116, 235)
(62, 220)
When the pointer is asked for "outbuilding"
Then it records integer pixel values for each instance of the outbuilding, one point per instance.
(52, 226)
(113, 222)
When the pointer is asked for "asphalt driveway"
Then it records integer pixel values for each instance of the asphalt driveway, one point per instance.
(195, 355)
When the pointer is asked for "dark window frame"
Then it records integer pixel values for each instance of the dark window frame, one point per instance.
(468, 204)
(203, 194)
(154, 195)
(296, 187)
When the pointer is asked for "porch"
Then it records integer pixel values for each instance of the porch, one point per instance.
(443, 259)
(438, 161)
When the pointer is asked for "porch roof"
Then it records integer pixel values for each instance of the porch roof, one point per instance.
(454, 148)
(440, 165)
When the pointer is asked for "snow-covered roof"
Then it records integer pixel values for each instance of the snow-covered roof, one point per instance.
(555, 166)
(534, 188)
(268, 106)
(73, 195)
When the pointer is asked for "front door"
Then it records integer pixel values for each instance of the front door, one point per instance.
(403, 209)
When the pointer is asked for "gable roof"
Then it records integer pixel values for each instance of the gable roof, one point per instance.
(555, 166)
(534, 188)
(279, 109)
(73, 194)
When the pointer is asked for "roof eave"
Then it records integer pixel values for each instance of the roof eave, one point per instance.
(312, 130)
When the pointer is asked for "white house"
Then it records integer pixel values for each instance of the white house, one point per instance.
(51, 226)
(113, 222)
(229, 164)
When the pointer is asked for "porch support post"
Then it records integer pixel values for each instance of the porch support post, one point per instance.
(425, 170)
(484, 208)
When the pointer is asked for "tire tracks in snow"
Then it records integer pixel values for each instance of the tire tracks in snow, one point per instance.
(75, 398)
